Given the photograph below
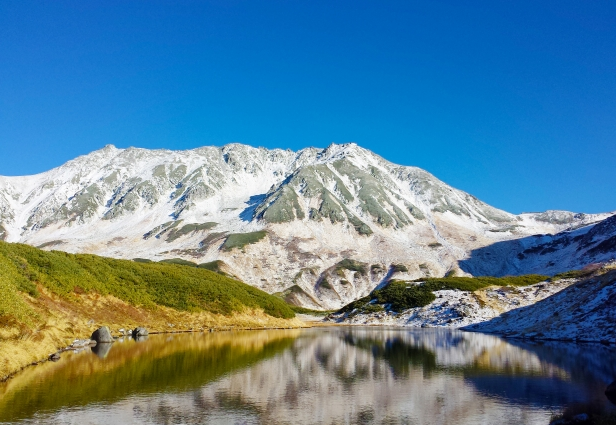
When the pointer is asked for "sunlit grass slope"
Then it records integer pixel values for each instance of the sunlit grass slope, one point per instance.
(47, 299)
(139, 284)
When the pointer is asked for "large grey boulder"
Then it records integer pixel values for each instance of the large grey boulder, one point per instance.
(102, 335)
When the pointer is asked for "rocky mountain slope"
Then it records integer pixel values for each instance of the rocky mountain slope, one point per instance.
(455, 308)
(320, 226)
(574, 306)
(585, 311)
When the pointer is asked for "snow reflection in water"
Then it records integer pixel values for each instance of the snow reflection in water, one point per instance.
(323, 375)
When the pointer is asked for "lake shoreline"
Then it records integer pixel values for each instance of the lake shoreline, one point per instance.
(297, 323)
(57, 322)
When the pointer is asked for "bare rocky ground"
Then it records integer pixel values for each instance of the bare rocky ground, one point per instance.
(584, 311)
(567, 309)
(455, 309)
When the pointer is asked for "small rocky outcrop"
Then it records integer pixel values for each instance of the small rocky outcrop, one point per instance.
(54, 357)
(140, 332)
(102, 335)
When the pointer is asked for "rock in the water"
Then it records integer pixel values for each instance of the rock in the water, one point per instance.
(54, 357)
(138, 332)
(102, 335)
(610, 392)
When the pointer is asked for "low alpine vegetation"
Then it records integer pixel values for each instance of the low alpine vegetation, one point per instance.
(182, 287)
(189, 228)
(400, 295)
(240, 240)
(480, 282)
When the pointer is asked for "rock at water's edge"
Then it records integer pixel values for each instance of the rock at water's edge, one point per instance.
(138, 332)
(102, 335)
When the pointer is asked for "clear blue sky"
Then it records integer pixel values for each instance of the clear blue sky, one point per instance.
(512, 101)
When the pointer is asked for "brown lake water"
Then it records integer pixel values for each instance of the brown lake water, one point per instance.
(335, 375)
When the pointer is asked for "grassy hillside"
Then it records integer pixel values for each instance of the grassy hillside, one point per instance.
(47, 299)
(23, 267)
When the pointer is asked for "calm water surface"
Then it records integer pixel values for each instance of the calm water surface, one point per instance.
(325, 375)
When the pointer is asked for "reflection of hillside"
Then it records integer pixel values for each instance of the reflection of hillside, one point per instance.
(596, 362)
(451, 350)
(162, 364)
(401, 357)
(392, 376)
(355, 375)
(531, 391)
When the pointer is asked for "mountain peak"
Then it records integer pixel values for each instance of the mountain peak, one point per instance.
(339, 151)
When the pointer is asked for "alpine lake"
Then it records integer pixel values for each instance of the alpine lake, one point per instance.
(322, 375)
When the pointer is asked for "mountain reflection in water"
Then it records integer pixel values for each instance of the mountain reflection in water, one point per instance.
(323, 375)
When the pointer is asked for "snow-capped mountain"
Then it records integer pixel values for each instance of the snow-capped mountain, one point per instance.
(321, 226)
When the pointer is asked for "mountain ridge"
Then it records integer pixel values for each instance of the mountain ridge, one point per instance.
(316, 207)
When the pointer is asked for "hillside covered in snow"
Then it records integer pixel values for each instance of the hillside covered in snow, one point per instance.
(584, 311)
(321, 227)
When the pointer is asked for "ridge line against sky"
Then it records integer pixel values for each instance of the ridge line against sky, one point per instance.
(512, 103)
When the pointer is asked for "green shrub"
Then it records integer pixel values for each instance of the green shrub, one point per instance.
(214, 266)
(189, 228)
(355, 304)
(572, 274)
(401, 296)
(372, 308)
(325, 284)
(352, 265)
(399, 268)
(240, 240)
(474, 283)
(11, 281)
(179, 261)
